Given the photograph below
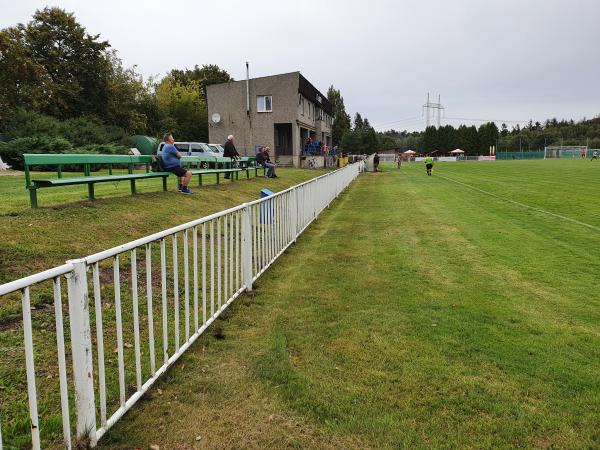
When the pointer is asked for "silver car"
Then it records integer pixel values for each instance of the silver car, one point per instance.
(191, 149)
(218, 149)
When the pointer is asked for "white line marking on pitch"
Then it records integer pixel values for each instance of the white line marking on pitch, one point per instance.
(523, 205)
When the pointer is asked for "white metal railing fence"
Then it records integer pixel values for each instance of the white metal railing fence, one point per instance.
(149, 316)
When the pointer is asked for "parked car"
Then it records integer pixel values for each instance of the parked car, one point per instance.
(217, 148)
(191, 149)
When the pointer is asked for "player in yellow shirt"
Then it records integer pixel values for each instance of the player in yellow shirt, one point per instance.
(429, 164)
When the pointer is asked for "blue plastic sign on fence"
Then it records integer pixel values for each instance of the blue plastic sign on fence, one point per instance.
(266, 208)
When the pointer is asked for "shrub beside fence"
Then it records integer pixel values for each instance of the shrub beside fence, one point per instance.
(149, 300)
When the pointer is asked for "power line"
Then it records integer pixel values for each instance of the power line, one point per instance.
(485, 120)
(408, 119)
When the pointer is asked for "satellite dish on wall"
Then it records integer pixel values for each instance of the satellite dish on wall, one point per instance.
(216, 118)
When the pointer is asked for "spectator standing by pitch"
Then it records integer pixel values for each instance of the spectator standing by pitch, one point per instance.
(171, 162)
(429, 164)
(229, 151)
(376, 162)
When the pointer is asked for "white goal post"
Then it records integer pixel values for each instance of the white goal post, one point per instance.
(566, 151)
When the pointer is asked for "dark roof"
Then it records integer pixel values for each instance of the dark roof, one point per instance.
(312, 93)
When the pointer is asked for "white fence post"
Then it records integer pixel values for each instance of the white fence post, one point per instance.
(295, 214)
(81, 349)
(246, 248)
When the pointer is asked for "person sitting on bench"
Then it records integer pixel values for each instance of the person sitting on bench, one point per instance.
(171, 161)
(262, 158)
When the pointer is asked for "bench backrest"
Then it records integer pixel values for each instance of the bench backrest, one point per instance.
(60, 160)
(49, 159)
(197, 159)
(216, 160)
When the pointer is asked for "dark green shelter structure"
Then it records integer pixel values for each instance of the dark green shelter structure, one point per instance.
(145, 144)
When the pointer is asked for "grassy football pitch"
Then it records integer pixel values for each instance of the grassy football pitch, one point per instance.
(460, 310)
(416, 313)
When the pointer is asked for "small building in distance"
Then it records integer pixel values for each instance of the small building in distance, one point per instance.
(284, 110)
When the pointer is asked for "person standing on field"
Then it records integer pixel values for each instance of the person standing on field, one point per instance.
(594, 155)
(429, 164)
(229, 151)
(399, 161)
(376, 162)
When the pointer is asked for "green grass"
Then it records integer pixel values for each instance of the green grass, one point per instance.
(69, 226)
(415, 313)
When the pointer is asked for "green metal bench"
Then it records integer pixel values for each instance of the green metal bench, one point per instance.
(218, 173)
(212, 164)
(247, 161)
(200, 162)
(88, 161)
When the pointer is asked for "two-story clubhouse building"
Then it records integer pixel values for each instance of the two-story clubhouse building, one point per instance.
(279, 111)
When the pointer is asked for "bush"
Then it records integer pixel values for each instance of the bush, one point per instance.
(31, 132)
(83, 131)
(24, 124)
(12, 151)
(79, 131)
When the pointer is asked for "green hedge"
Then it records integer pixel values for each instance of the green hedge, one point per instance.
(31, 132)
(12, 151)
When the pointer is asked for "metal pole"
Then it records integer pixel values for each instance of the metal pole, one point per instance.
(81, 350)
(247, 88)
(246, 248)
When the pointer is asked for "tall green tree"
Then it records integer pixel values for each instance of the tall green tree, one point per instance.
(203, 76)
(358, 122)
(341, 119)
(487, 136)
(74, 61)
(127, 93)
(430, 139)
(183, 110)
(361, 139)
(24, 83)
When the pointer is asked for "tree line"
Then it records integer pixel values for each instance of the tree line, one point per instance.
(357, 136)
(62, 88)
(477, 140)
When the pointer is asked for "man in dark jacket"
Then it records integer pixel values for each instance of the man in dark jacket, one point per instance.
(229, 151)
(262, 158)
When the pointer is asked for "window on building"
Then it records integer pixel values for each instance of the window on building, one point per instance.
(264, 103)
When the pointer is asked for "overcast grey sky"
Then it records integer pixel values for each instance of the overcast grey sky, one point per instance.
(488, 59)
